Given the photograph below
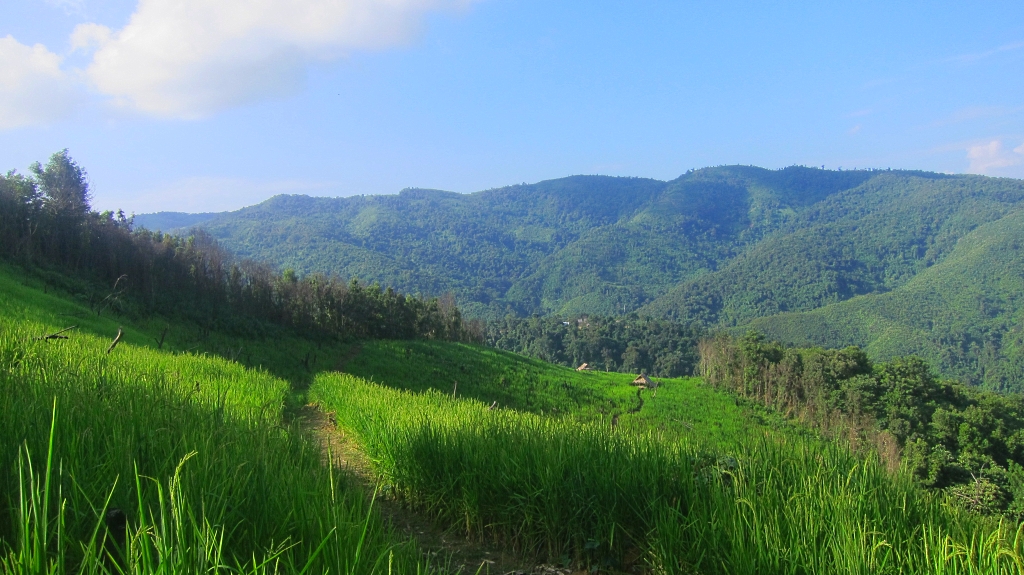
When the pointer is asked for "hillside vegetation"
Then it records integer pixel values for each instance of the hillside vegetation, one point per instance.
(964, 314)
(719, 247)
(584, 244)
(588, 495)
(48, 227)
(966, 442)
(135, 459)
(510, 381)
(142, 438)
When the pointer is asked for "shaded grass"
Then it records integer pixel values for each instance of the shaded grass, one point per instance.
(270, 348)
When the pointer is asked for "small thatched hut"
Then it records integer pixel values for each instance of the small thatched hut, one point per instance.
(584, 367)
(643, 381)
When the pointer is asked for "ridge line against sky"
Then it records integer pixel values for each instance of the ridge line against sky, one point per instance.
(209, 105)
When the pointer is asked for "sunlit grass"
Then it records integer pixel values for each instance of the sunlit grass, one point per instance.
(190, 447)
(582, 493)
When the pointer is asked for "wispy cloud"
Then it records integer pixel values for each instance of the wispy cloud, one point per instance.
(988, 157)
(69, 7)
(968, 58)
(970, 113)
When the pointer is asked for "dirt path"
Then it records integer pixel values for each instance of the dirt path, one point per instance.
(466, 556)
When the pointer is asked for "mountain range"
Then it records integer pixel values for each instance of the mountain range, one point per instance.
(898, 262)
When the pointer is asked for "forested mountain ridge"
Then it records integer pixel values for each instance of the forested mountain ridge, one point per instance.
(729, 247)
(583, 244)
(964, 314)
(869, 239)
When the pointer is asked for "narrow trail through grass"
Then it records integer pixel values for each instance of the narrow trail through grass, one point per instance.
(444, 547)
(459, 553)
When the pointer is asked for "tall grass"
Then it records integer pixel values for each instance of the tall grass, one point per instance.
(584, 494)
(681, 405)
(190, 448)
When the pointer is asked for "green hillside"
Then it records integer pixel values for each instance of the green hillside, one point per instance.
(721, 245)
(869, 239)
(584, 244)
(172, 221)
(963, 314)
(718, 247)
(188, 451)
(681, 407)
(586, 496)
(194, 452)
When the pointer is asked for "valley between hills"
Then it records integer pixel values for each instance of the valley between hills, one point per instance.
(896, 262)
(788, 371)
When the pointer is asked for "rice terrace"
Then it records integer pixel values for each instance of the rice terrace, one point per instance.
(240, 343)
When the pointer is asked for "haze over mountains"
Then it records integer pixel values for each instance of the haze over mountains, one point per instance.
(896, 261)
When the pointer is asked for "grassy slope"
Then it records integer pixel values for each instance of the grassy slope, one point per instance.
(964, 314)
(588, 496)
(279, 351)
(682, 406)
(125, 423)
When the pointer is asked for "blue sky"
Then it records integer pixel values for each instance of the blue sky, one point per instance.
(202, 105)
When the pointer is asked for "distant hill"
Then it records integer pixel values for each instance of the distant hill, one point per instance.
(727, 246)
(583, 244)
(964, 314)
(171, 221)
(869, 239)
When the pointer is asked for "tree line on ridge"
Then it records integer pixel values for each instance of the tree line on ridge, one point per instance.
(962, 440)
(47, 225)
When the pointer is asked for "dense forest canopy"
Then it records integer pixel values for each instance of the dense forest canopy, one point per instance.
(899, 262)
(630, 344)
(47, 225)
(965, 441)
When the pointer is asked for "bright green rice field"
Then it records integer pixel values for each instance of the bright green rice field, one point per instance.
(191, 442)
(191, 447)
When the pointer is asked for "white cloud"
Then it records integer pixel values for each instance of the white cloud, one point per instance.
(989, 157)
(190, 58)
(33, 88)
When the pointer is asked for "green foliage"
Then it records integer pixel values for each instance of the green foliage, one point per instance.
(962, 314)
(65, 187)
(583, 244)
(629, 344)
(870, 239)
(585, 495)
(47, 226)
(191, 448)
(965, 441)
